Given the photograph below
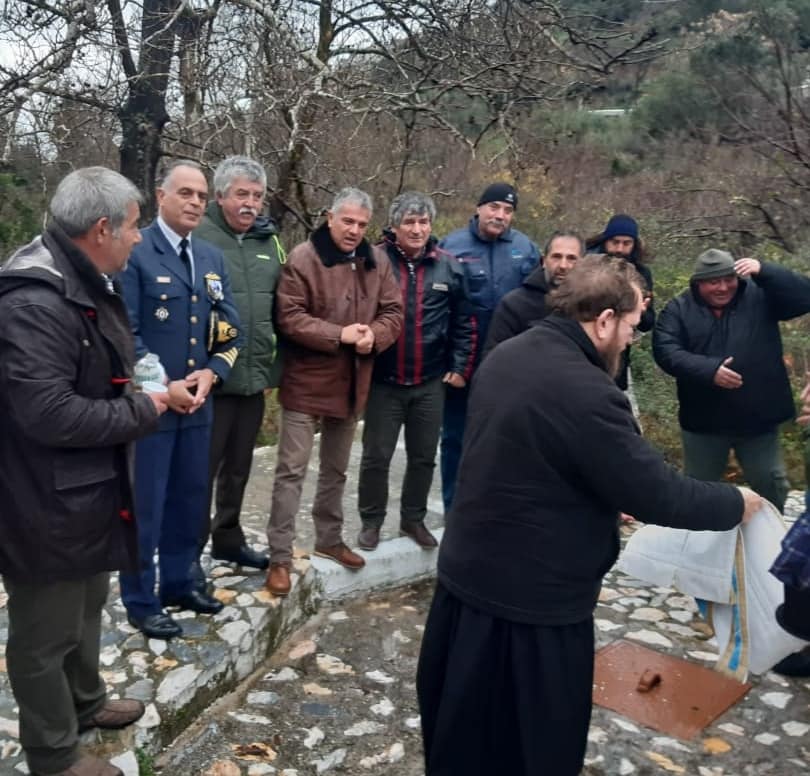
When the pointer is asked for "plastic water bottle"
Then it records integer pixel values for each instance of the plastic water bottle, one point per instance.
(149, 370)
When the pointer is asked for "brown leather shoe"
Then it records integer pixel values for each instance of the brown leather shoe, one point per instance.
(114, 714)
(341, 554)
(90, 766)
(278, 579)
(417, 531)
(368, 538)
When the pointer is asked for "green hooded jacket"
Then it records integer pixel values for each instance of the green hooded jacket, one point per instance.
(254, 265)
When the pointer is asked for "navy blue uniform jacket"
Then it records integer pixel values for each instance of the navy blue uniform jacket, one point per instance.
(170, 317)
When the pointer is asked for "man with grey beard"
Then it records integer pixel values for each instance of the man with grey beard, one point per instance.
(253, 254)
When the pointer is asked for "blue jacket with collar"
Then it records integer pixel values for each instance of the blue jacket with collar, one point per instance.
(169, 315)
(492, 268)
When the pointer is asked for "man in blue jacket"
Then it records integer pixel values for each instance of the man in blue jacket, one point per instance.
(180, 307)
(720, 340)
(495, 259)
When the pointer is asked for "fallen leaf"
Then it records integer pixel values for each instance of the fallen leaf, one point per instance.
(716, 746)
(316, 689)
(254, 751)
(665, 762)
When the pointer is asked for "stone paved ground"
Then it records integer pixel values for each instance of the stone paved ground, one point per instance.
(176, 678)
(339, 697)
(179, 678)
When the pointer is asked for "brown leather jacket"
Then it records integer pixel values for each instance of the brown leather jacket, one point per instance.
(320, 291)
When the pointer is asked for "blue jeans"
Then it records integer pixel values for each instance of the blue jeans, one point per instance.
(455, 415)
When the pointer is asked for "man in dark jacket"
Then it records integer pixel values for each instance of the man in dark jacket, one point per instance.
(720, 340)
(621, 238)
(526, 305)
(338, 306)
(253, 257)
(70, 416)
(495, 259)
(435, 349)
(551, 456)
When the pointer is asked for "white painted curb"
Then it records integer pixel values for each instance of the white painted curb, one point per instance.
(394, 562)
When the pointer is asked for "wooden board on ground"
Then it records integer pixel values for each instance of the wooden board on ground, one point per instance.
(664, 693)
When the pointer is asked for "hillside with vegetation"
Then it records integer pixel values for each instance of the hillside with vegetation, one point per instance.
(691, 115)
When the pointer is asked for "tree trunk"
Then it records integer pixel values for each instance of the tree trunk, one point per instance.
(144, 114)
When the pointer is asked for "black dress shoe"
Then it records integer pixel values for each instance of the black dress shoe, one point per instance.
(156, 626)
(196, 602)
(368, 538)
(420, 534)
(244, 556)
(197, 576)
(797, 664)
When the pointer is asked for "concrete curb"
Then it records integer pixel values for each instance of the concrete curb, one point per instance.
(395, 562)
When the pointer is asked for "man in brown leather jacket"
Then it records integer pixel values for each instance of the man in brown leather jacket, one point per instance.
(337, 305)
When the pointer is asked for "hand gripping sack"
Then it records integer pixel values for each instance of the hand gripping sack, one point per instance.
(728, 572)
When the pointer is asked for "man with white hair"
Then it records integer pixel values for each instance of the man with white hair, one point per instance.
(70, 418)
(253, 257)
(338, 305)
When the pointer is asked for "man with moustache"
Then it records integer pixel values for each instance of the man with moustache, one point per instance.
(721, 342)
(526, 305)
(433, 351)
(338, 306)
(181, 309)
(70, 417)
(495, 259)
(253, 258)
(551, 457)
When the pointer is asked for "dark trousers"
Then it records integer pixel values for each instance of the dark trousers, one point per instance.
(705, 457)
(419, 409)
(54, 634)
(502, 697)
(454, 417)
(794, 614)
(171, 481)
(237, 420)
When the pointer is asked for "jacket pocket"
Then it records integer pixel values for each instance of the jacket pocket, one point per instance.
(87, 489)
(477, 278)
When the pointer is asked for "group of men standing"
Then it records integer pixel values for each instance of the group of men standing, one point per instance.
(100, 476)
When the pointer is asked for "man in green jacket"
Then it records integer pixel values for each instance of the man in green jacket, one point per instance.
(254, 257)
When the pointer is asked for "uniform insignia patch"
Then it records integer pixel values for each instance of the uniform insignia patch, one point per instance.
(163, 279)
(263, 256)
(162, 314)
(213, 285)
(440, 287)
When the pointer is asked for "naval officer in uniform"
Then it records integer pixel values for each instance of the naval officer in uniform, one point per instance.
(181, 310)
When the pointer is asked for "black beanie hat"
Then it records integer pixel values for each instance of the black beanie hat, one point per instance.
(499, 192)
(621, 225)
